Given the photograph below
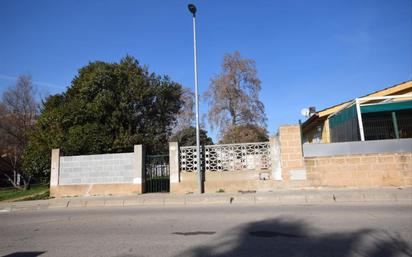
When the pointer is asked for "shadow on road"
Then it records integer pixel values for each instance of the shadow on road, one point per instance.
(283, 237)
(24, 254)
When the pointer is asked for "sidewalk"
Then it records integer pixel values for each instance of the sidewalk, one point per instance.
(297, 196)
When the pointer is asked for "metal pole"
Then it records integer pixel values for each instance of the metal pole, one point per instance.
(199, 171)
(359, 113)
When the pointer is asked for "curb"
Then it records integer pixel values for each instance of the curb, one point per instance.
(309, 196)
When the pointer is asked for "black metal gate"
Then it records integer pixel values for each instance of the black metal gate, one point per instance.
(157, 175)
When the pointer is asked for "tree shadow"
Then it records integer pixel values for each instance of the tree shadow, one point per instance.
(24, 254)
(295, 238)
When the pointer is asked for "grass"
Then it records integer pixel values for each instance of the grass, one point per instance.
(36, 192)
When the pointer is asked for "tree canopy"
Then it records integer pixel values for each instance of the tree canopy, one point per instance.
(244, 134)
(187, 137)
(233, 96)
(108, 107)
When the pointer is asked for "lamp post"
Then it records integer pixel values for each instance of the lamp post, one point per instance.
(192, 9)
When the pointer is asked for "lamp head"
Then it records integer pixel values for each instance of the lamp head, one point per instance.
(192, 9)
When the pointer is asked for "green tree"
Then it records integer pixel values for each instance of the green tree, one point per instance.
(109, 107)
(244, 134)
(187, 137)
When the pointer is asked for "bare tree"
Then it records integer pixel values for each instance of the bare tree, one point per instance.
(186, 116)
(18, 110)
(234, 95)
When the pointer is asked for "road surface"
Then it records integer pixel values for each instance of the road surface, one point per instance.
(328, 230)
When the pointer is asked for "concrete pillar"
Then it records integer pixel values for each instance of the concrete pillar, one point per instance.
(55, 166)
(139, 166)
(275, 158)
(174, 163)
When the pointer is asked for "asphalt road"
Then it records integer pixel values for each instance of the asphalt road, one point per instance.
(259, 230)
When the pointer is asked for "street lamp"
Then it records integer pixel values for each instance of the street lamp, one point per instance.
(192, 9)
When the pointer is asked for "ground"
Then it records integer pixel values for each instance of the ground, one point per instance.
(34, 193)
(341, 230)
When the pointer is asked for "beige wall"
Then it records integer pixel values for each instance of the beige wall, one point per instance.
(230, 181)
(367, 170)
(235, 181)
(359, 170)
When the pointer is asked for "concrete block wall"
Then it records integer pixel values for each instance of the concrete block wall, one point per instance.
(102, 174)
(97, 169)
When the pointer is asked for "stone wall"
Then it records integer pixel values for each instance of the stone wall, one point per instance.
(357, 168)
(228, 181)
(357, 164)
(360, 170)
(401, 145)
(292, 163)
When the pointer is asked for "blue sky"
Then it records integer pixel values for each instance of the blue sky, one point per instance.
(307, 53)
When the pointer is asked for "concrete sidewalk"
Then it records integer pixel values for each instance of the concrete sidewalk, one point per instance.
(297, 196)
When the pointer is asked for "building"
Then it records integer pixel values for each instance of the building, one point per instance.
(384, 114)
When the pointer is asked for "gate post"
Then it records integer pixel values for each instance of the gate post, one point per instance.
(139, 166)
(54, 171)
(275, 158)
(174, 164)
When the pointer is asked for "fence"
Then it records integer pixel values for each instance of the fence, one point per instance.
(228, 157)
(388, 119)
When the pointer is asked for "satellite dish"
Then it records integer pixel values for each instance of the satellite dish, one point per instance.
(305, 112)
